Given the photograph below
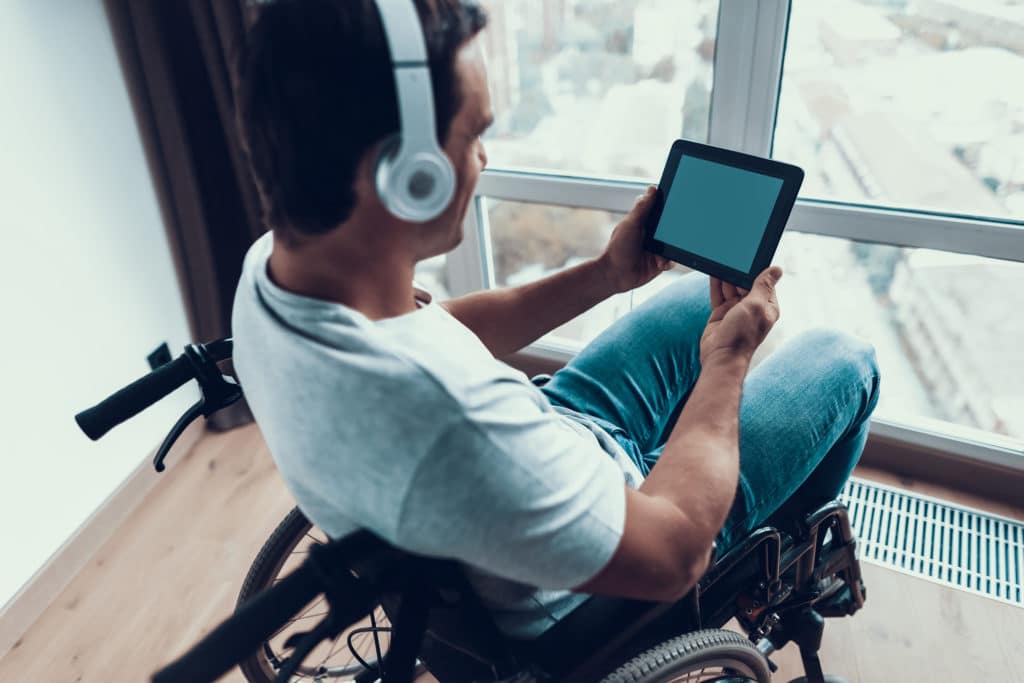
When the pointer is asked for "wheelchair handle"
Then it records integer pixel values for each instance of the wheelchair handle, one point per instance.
(199, 362)
(128, 402)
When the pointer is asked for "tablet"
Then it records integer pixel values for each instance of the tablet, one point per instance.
(721, 212)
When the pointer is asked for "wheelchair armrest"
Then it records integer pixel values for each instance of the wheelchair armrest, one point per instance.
(723, 563)
(833, 511)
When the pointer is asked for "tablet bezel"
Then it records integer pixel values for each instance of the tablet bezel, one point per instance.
(792, 177)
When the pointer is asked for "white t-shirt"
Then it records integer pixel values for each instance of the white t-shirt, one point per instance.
(410, 428)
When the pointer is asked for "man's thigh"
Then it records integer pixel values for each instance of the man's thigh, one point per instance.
(637, 372)
(803, 419)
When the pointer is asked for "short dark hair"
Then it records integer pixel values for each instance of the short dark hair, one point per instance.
(315, 90)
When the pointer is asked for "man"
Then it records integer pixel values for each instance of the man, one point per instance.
(388, 411)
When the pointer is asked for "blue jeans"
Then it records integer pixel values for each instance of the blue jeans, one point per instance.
(803, 415)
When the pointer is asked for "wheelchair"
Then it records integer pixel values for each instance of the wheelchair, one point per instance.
(780, 582)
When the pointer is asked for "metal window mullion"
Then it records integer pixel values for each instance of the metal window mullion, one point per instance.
(749, 50)
(484, 246)
(541, 188)
(466, 268)
(979, 237)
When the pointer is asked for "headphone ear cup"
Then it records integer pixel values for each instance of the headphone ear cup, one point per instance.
(384, 171)
(415, 186)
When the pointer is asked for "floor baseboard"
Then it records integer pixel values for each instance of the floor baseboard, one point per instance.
(22, 610)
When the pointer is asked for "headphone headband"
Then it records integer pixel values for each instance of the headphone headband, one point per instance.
(415, 179)
(403, 32)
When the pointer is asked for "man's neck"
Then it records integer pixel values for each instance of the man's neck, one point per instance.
(374, 279)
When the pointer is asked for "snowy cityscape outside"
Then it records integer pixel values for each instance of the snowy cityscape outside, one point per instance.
(916, 105)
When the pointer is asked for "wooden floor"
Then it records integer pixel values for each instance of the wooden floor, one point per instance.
(173, 571)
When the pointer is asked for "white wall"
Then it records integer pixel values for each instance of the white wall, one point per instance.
(87, 285)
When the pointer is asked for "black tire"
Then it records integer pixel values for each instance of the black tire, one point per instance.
(264, 569)
(727, 651)
(273, 554)
(269, 565)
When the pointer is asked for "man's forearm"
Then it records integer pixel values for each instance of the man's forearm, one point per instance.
(699, 465)
(508, 319)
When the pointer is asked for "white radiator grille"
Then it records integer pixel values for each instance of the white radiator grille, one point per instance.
(944, 542)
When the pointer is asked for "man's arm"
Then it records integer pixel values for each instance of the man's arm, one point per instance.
(508, 319)
(672, 520)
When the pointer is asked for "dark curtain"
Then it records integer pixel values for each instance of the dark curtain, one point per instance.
(177, 57)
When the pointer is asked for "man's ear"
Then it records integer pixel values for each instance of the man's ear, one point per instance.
(366, 173)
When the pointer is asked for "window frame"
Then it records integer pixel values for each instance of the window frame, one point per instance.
(748, 63)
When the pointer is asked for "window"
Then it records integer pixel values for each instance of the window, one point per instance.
(599, 87)
(907, 104)
(910, 227)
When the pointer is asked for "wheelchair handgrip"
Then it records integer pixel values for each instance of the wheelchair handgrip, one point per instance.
(241, 634)
(134, 398)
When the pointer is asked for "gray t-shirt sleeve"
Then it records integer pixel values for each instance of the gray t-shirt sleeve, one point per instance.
(517, 493)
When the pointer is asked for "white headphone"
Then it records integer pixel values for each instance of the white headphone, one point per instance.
(415, 180)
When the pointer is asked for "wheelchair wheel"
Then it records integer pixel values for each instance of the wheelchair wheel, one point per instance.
(351, 656)
(712, 655)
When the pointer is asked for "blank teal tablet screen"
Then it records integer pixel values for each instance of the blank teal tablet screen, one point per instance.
(718, 212)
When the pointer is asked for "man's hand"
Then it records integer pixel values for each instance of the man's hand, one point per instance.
(625, 262)
(740, 320)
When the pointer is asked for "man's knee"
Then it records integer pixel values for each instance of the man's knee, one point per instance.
(846, 359)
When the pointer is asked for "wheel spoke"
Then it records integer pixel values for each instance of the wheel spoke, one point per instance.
(308, 616)
(704, 675)
(292, 621)
(334, 648)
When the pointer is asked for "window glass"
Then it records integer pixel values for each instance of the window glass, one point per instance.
(530, 241)
(597, 87)
(907, 104)
(946, 326)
